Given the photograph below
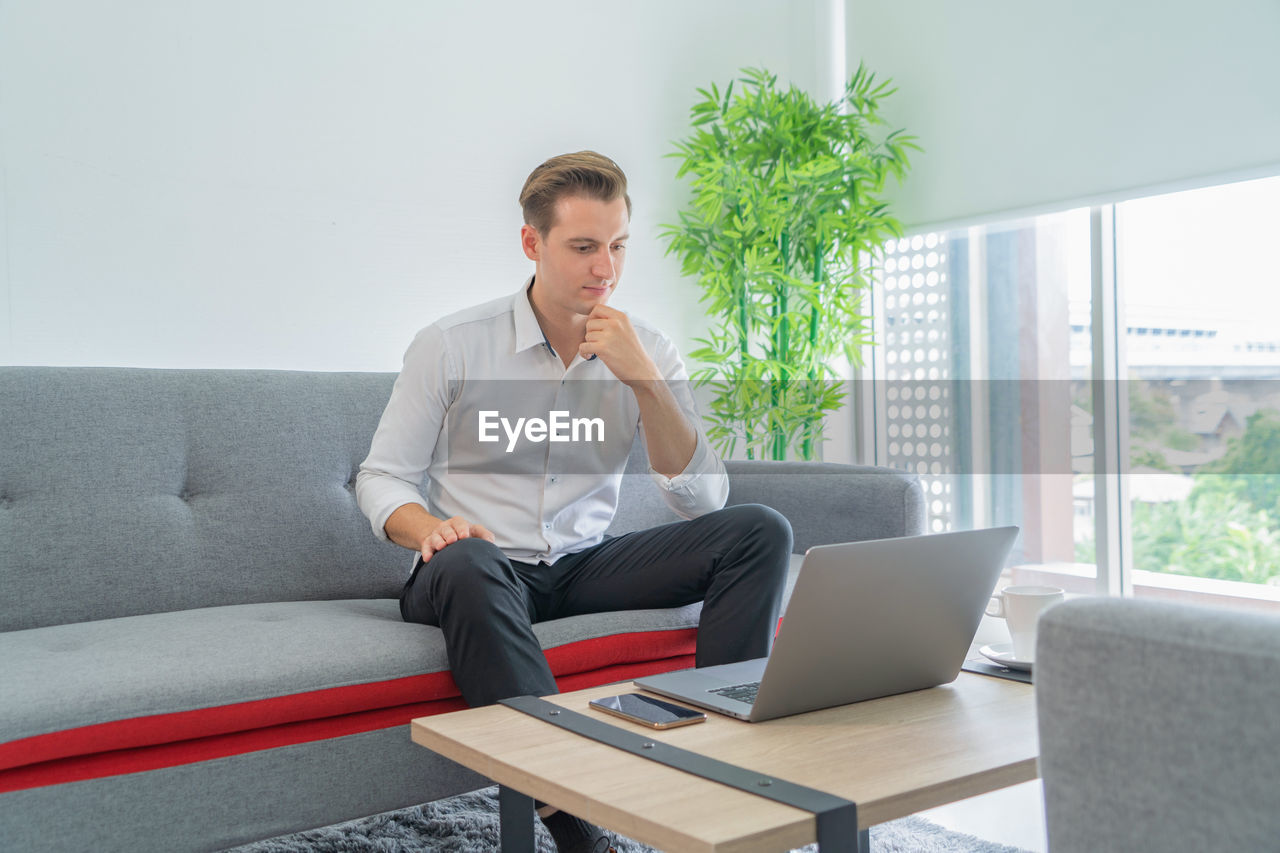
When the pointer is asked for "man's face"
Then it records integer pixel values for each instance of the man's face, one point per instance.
(580, 259)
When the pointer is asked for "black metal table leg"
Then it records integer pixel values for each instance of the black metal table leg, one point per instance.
(515, 817)
(838, 830)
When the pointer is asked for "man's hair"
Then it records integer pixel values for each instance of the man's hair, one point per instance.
(585, 174)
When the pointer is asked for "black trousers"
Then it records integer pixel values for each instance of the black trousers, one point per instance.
(733, 560)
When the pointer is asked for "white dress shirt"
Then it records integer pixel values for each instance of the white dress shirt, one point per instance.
(544, 490)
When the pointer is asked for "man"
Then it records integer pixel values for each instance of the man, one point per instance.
(512, 528)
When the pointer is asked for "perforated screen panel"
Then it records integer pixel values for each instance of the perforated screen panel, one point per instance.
(914, 365)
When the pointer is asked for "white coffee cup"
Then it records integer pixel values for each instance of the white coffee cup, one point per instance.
(1020, 607)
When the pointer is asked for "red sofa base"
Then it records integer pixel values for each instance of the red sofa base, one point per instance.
(110, 749)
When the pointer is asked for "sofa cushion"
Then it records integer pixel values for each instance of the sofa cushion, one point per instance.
(92, 688)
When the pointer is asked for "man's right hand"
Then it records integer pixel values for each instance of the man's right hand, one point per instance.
(449, 531)
(411, 526)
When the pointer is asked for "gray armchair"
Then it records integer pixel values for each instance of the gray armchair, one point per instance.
(1159, 727)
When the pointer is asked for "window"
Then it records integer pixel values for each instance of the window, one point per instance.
(991, 363)
(982, 373)
(1204, 410)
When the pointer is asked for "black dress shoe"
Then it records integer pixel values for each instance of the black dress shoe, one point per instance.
(575, 835)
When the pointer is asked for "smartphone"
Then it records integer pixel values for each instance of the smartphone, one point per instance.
(641, 709)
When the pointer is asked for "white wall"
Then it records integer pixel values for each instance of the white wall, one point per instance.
(1032, 106)
(302, 185)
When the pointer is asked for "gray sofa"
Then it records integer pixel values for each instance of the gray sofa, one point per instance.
(200, 643)
(1159, 727)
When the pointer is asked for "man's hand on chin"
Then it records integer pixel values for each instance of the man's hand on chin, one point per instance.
(611, 336)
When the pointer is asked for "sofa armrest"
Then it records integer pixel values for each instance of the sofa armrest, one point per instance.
(829, 502)
(1158, 726)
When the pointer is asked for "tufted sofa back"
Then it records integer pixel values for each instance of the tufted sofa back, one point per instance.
(127, 491)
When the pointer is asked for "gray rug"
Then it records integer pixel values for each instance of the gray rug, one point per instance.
(469, 822)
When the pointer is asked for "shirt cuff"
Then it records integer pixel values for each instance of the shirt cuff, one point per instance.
(697, 466)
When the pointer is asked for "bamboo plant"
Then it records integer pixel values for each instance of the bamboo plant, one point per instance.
(784, 221)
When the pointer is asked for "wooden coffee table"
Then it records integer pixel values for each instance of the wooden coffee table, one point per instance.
(892, 757)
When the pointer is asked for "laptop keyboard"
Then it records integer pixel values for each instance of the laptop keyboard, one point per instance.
(741, 692)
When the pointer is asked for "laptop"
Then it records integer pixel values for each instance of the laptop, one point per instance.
(865, 620)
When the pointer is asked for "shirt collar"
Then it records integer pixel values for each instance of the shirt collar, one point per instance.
(528, 332)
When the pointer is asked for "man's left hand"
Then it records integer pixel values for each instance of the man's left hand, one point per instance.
(611, 336)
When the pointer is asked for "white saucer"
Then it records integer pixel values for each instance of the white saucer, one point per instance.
(1002, 653)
